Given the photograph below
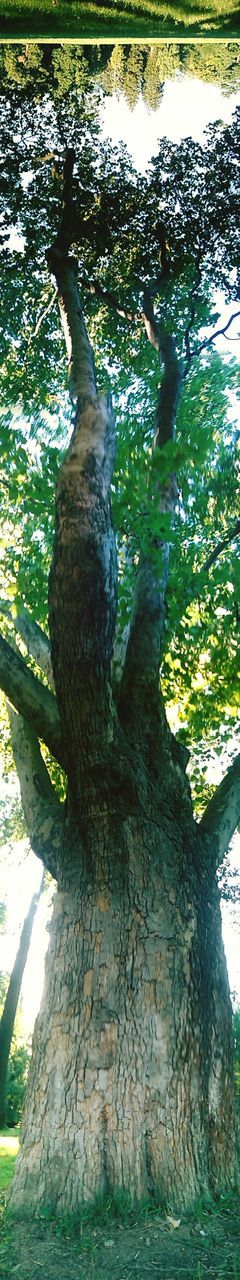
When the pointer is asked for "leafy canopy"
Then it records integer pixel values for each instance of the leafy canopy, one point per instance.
(191, 192)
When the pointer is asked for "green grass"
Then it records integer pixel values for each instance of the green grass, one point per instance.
(9, 1145)
(159, 18)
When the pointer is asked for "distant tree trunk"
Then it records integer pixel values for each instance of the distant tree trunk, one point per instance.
(12, 998)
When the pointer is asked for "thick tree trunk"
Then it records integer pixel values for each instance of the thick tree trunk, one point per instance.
(131, 1081)
(12, 998)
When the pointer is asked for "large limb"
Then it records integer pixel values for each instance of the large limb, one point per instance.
(36, 640)
(31, 698)
(141, 666)
(222, 814)
(83, 577)
(41, 807)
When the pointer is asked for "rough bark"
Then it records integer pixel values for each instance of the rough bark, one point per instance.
(12, 998)
(135, 1027)
(141, 668)
(31, 698)
(42, 809)
(36, 640)
(83, 577)
(222, 814)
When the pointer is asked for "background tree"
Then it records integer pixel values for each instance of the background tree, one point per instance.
(132, 1058)
(69, 70)
(11, 1001)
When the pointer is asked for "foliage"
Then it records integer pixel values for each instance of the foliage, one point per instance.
(18, 1065)
(16, 1083)
(192, 191)
(120, 69)
(144, 69)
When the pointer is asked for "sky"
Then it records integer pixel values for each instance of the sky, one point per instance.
(187, 107)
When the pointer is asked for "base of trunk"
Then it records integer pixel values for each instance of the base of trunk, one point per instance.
(131, 1078)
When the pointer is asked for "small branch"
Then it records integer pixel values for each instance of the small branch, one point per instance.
(42, 317)
(217, 551)
(217, 333)
(93, 286)
(36, 641)
(42, 809)
(222, 814)
(31, 698)
(149, 320)
(194, 590)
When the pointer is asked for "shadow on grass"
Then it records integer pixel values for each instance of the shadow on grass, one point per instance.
(17, 22)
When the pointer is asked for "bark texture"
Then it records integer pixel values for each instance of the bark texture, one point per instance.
(135, 1027)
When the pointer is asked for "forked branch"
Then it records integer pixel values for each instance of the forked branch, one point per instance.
(31, 698)
(222, 814)
(41, 807)
(36, 640)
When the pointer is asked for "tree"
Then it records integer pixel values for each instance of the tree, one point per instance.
(131, 1082)
(70, 70)
(12, 997)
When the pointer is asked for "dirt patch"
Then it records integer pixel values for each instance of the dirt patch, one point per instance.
(149, 1248)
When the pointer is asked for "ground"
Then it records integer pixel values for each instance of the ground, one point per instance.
(50, 19)
(118, 1241)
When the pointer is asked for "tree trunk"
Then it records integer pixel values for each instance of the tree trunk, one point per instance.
(12, 998)
(130, 1084)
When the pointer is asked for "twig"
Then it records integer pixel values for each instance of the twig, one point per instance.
(42, 317)
(217, 333)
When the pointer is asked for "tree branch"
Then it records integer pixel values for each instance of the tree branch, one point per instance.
(217, 333)
(193, 591)
(220, 546)
(42, 317)
(83, 576)
(222, 814)
(108, 297)
(42, 809)
(81, 367)
(31, 698)
(36, 640)
(82, 376)
(141, 666)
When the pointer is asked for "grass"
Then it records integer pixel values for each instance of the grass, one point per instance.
(9, 1144)
(114, 1239)
(159, 18)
